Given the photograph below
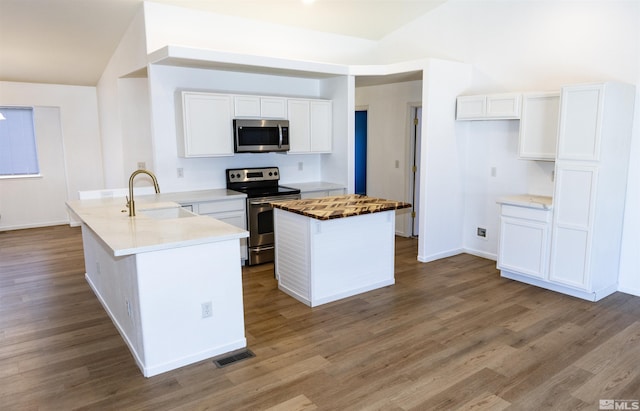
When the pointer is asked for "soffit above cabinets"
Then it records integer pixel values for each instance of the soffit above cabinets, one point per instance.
(367, 75)
(211, 59)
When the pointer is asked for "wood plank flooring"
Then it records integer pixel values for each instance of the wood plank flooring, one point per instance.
(450, 334)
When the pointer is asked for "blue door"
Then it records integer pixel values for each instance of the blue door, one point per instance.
(361, 153)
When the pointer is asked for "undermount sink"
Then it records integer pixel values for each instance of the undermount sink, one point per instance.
(167, 213)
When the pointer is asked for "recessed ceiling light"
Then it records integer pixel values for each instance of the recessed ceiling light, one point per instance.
(308, 1)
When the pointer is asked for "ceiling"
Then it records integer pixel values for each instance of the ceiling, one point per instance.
(71, 41)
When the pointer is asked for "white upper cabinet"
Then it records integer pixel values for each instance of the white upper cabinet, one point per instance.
(299, 126)
(310, 126)
(582, 110)
(206, 125)
(539, 126)
(488, 107)
(471, 107)
(505, 106)
(321, 126)
(260, 107)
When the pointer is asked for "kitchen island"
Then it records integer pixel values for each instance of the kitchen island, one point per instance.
(331, 248)
(170, 280)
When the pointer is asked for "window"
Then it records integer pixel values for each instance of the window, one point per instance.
(18, 151)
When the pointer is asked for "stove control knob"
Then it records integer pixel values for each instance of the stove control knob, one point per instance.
(270, 173)
(238, 175)
(275, 173)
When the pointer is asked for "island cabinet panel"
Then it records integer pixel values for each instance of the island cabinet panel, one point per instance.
(293, 257)
(155, 300)
(173, 284)
(320, 261)
(113, 282)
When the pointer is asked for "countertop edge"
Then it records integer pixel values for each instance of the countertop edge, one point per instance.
(371, 205)
(528, 201)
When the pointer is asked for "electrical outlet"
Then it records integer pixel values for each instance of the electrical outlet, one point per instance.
(128, 308)
(494, 171)
(482, 232)
(397, 163)
(207, 309)
(142, 165)
(180, 172)
(300, 165)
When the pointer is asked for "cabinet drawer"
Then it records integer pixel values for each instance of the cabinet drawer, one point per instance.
(526, 213)
(221, 206)
(233, 218)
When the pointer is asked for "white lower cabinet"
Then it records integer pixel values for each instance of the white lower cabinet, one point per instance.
(233, 212)
(322, 193)
(524, 241)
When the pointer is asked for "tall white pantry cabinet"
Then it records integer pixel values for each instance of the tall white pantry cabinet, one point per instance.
(591, 181)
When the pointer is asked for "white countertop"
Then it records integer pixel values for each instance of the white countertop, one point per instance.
(184, 197)
(314, 186)
(528, 200)
(109, 219)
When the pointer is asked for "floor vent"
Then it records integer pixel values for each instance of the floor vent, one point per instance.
(233, 358)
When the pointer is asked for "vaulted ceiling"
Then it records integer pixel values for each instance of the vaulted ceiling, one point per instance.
(71, 41)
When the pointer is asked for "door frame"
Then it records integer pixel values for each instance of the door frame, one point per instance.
(414, 156)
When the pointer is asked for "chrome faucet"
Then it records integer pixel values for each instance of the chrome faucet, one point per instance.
(130, 203)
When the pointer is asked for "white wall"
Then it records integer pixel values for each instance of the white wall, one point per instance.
(338, 167)
(388, 141)
(442, 159)
(68, 139)
(118, 95)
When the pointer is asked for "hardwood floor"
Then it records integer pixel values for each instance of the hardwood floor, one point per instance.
(450, 334)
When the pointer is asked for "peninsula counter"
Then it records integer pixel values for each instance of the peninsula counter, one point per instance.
(331, 248)
(170, 280)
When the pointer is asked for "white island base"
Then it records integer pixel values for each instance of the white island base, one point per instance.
(320, 261)
(155, 300)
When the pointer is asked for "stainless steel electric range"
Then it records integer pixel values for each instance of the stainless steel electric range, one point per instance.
(261, 186)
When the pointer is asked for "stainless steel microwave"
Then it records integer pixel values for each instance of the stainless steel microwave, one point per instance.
(260, 136)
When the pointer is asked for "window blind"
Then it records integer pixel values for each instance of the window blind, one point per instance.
(18, 149)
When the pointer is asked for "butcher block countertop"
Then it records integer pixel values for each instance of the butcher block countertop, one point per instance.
(327, 208)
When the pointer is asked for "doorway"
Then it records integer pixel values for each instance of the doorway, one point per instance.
(361, 153)
(416, 138)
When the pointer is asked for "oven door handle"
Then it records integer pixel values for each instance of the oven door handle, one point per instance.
(260, 203)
